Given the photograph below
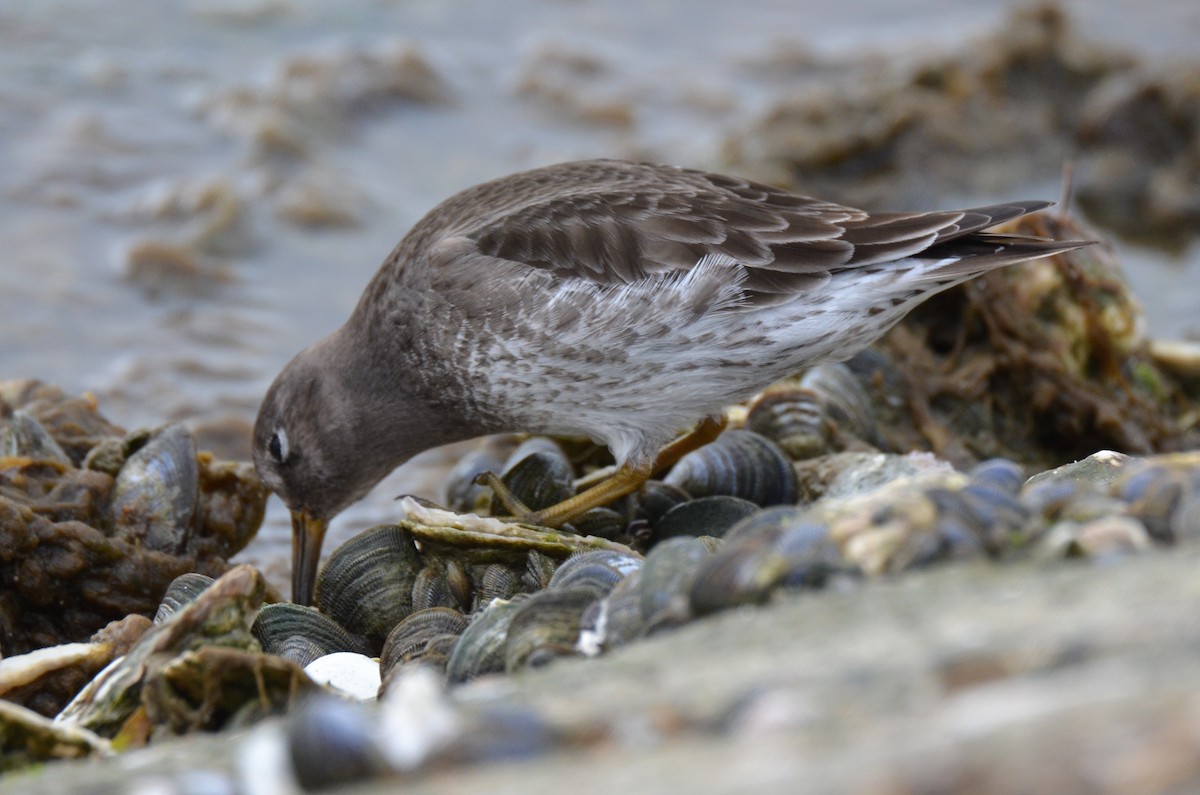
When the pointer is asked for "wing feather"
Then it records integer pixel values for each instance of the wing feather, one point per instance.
(617, 223)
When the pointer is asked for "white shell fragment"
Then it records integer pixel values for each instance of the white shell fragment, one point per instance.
(354, 675)
(26, 668)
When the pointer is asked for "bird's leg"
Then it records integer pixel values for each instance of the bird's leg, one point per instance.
(706, 431)
(626, 480)
(516, 509)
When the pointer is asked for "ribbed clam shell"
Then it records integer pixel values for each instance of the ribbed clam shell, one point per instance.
(22, 436)
(667, 576)
(540, 480)
(409, 639)
(539, 569)
(157, 491)
(277, 622)
(706, 516)
(545, 627)
(367, 583)
(463, 494)
(182, 591)
(496, 582)
(480, 649)
(442, 585)
(738, 464)
(598, 571)
(300, 650)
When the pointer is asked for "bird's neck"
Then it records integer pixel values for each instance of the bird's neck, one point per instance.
(391, 412)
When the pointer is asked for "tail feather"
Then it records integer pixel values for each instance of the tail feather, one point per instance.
(983, 252)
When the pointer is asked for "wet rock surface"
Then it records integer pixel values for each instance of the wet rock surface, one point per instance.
(974, 679)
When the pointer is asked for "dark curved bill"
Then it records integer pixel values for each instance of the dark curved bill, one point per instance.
(307, 534)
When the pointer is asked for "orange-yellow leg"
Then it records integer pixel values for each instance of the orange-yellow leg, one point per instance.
(626, 480)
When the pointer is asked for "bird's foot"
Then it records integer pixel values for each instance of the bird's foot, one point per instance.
(517, 510)
(626, 480)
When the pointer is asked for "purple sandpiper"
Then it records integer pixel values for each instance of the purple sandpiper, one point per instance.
(621, 301)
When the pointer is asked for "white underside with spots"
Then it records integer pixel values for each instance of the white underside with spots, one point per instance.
(667, 351)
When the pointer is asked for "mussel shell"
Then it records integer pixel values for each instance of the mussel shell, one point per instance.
(331, 742)
(964, 530)
(277, 622)
(1000, 474)
(793, 418)
(1155, 493)
(655, 499)
(738, 574)
(598, 570)
(667, 576)
(738, 464)
(843, 397)
(545, 627)
(600, 522)
(480, 649)
(540, 480)
(367, 583)
(410, 638)
(810, 555)
(1050, 498)
(182, 591)
(534, 444)
(157, 491)
(463, 494)
(614, 620)
(706, 516)
(21, 435)
(767, 520)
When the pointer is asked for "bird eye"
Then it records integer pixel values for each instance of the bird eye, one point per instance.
(278, 446)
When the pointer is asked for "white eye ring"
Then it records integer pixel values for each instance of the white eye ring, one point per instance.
(278, 446)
